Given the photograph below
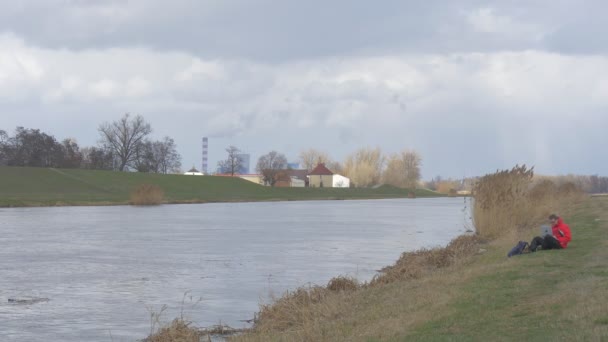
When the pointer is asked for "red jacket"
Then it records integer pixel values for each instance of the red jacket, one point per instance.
(561, 231)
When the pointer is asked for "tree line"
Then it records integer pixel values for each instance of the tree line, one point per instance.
(124, 145)
(365, 167)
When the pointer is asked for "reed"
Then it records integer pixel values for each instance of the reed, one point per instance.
(147, 194)
(512, 201)
(178, 330)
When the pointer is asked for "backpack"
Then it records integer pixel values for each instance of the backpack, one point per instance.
(518, 249)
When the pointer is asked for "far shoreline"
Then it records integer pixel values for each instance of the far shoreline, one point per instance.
(180, 202)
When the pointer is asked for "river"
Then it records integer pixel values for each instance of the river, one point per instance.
(104, 270)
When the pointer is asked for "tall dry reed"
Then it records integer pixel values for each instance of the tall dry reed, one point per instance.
(147, 194)
(513, 200)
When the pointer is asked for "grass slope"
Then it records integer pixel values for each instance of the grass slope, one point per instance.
(544, 296)
(21, 186)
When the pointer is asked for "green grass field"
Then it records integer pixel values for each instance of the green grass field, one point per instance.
(21, 186)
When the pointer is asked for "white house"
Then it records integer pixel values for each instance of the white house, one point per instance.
(339, 181)
(193, 172)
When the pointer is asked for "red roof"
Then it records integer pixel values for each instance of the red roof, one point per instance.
(321, 170)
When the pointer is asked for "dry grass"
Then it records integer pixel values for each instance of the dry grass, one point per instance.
(178, 331)
(302, 312)
(414, 265)
(513, 201)
(300, 309)
(415, 289)
(342, 283)
(147, 194)
(429, 291)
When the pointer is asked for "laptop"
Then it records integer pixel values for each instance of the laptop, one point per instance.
(545, 230)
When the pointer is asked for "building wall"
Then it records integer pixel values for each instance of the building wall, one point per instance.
(297, 183)
(257, 179)
(316, 180)
(340, 182)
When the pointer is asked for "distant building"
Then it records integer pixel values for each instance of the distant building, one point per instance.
(322, 177)
(245, 163)
(205, 155)
(339, 181)
(299, 178)
(194, 172)
(297, 183)
(254, 178)
(293, 165)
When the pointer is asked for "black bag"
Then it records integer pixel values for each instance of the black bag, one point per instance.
(518, 249)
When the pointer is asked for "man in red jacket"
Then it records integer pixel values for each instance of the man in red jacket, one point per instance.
(558, 240)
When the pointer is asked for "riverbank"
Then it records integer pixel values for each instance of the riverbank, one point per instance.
(30, 187)
(549, 295)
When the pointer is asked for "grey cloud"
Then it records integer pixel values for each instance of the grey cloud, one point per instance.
(288, 75)
(266, 30)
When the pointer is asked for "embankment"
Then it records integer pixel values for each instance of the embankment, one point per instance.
(22, 186)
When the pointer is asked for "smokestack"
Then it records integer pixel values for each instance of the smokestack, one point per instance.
(205, 155)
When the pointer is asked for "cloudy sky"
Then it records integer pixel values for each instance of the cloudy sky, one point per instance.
(473, 86)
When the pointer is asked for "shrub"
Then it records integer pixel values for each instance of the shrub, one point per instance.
(147, 194)
(414, 265)
(293, 309)
(341, 283)
(178, 330)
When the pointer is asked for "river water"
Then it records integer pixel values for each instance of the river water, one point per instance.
(104, 270)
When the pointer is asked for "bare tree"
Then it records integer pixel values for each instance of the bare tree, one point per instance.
(3, 146)
(364, 167)
(335, 167)
(31, 147)
(403, 169)
(271, 165)
(72, 157)
(233, 164)
(311, 157)
(96, 158)
(124, 136)
(169, 160)
(157, 156)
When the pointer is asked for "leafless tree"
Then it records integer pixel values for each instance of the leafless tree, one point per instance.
(364, 167)
(169, 160)
(97, 158)
(157, 156)
(311, 157)
(72, 157)
(233, 164)
(271, 165)
(3, 146)
(124, 136)
(31, 147)
(403, 169)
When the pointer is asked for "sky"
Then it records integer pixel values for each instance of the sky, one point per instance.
(472, 86)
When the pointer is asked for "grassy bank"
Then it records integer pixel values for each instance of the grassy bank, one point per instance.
(549, 295)
(48, 187)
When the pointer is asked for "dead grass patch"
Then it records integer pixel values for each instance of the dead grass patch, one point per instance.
(342, 283)
(514, 201)
(147, 194)
(413, 265)
(177, 331)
